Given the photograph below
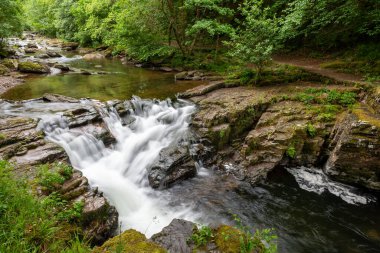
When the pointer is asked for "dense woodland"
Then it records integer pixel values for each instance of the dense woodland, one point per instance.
(178, 30)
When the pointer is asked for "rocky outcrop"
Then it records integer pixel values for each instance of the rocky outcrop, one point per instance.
(259, 128)
(33, 67)
(288, 133)
(99, 219)
(129, 241)
(175, 237)
(355, 149)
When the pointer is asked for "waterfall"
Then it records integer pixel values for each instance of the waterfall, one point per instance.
(120, 171)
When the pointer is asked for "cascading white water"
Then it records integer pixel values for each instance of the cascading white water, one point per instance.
(120, 172)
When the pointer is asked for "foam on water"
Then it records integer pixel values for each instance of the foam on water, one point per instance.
(120, 172)
(314, 180)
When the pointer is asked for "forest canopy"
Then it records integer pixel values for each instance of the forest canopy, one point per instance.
(146, 29)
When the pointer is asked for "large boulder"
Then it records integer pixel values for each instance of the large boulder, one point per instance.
(33, 67)
(174, 164)
(70, 45)
(175, 236)
(93, 56)
(129, 241)
(355, 149)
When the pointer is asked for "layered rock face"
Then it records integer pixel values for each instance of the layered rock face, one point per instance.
(355, 149)
(259, 128)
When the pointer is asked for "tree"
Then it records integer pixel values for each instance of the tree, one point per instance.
(257, 37)
(211, 18)
(10, 18)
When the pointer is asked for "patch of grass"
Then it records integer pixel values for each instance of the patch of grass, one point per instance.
(51, 176)
(28, 224)
(326, 96)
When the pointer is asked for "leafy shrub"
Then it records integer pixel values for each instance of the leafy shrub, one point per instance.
(202, 236)
(310, 129)
(291, 151)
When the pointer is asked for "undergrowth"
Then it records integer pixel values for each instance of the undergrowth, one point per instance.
(29, 224)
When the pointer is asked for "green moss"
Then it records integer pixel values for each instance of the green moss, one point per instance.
(32, 67)
(363, 115)
(130, 241)
(9, 63)
(3, 69)
(227, 239)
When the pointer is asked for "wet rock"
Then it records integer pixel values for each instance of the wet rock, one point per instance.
(174, 237)
(30, 50)
(181, 75)
(86, 50)
(33, 67)
(70, 45)
(42, 56)
(62, 67)
(174, 164)
(93, 56)
(53, 54)
(203, 89)
(55, 98)
(129, 241)
(166, 69)
(355, 149)
(99, 218)
(31, 45)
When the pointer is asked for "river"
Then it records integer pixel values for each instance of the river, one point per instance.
(308, 212)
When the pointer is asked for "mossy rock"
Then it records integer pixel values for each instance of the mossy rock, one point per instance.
(227, 239)
(365, 116)
(130, 241)
(3, 69)
(10, 63)
(33, 67)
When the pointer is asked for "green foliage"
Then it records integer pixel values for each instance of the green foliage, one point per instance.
(311, 130)
(291, 151)
(51, 176)
(64, 211)
(261, 241)
(202, 236)
(326, 96)
(10, 19)
(328, 23)
(256, 39)
(28, 224)
(246, 76)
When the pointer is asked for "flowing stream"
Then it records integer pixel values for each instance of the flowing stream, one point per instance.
(120, 172)
(308, 211)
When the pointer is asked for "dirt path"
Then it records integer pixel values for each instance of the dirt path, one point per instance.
(313, 65)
